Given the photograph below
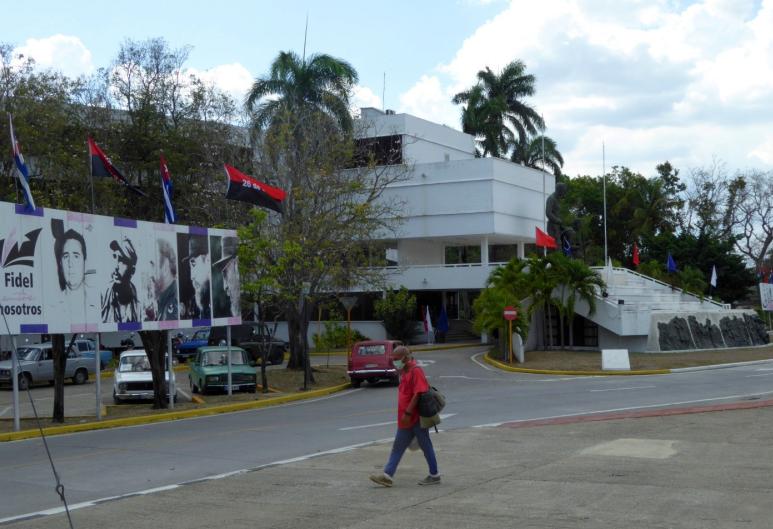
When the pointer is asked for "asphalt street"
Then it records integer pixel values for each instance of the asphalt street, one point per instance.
(105, 463)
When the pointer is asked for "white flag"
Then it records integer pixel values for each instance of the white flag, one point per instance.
(427, 325)
(713, 281)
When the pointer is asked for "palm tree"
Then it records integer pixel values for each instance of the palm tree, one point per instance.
(578, 283)
(530, 154)
(494, 109)
(320, 84)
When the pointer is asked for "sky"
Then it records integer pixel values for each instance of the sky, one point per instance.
(690, 82)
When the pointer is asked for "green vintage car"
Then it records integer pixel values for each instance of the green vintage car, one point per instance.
(209, 370)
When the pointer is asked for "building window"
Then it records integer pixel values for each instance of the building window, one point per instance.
(383, 150)
(462, 255)
(502, 253)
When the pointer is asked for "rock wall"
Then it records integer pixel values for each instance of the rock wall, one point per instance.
(670, 331)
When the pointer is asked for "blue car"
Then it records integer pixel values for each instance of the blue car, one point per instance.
(187, 349)
(85, 347)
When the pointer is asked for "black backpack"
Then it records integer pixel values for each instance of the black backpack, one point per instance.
(431, 402)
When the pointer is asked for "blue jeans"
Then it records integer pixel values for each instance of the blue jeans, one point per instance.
(403, 438)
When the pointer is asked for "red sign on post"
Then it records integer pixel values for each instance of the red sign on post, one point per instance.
(510, 313)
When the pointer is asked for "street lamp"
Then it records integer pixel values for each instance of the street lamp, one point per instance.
(348, 302)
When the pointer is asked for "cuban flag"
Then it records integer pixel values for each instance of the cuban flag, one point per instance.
(166, 188)
(24, 174)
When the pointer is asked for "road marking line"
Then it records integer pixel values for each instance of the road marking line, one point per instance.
(596, 412)
(747, 376)
(623, 389)
(481, 364)
(348, 428)
(474, 378)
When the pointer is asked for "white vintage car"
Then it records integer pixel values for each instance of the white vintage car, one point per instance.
(133, 379)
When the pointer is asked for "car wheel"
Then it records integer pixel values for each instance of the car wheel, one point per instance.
(204, 389)
(25, 381)
(395, 381)
(193, 386)
(116, 400)
(356, 382)
(81, 376)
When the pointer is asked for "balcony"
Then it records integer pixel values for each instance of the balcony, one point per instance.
(441, 277)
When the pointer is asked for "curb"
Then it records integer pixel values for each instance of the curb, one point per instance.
(719, 366)
(639, 414)
(414, 348)
(171, 416)
(505, 367)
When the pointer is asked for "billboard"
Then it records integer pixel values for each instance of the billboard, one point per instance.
(766, 296)
(65, 272)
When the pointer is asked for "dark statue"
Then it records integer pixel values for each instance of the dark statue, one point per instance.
(564, 235)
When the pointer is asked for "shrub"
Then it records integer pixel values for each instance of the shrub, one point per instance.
(398, 311)
(334, 336)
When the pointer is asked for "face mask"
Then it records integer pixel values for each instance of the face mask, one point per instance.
(399, 364)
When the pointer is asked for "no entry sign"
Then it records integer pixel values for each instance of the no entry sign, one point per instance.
(510, 313)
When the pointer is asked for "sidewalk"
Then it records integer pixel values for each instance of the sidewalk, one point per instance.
(711, 470)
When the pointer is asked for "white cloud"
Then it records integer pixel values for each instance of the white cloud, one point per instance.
(233, 79)
(659, 79)
(64, 53)
(428, 99)
(362, 96)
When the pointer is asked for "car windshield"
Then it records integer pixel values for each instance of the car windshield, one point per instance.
(203, 334)
(220, 358)
(134, 363)
(27, 353)
(371, 350)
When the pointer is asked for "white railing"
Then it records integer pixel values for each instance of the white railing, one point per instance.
(700, 299)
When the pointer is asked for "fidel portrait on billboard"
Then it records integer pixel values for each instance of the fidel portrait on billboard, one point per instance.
(120, 302)
(226, 301)
(194, 272)
(160, 283)
(70, 259)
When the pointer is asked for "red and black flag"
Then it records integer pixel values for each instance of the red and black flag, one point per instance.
(246, 189)
(102, 166)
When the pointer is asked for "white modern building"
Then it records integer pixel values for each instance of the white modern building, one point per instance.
(463, 215)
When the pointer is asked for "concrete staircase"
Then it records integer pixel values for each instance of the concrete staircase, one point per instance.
(632, 299)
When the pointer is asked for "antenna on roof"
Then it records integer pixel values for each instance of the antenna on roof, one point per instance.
(305, 34)
(383, 93)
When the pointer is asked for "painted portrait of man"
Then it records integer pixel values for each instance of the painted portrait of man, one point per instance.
(194, 277)
(162, 284)
(120, 302)
(228, 296)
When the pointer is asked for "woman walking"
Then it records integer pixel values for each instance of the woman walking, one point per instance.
(412, 384)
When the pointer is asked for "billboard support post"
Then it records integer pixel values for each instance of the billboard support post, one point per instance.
(15, 375)
(170, 366)
(98, 376)
(228, 352)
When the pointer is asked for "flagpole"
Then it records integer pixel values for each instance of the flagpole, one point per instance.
(604, 178)
(544, 198)
(91, 178)
(15, 180)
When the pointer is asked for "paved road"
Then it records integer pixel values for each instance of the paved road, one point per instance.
(99, 464)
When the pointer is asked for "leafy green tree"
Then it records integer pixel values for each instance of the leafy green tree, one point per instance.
(495, 111)
(334, 215)
(539, 152)
(398, 310)
(506, 286)
(298, 86)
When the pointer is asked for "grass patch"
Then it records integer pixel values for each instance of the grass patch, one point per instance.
(591, 360)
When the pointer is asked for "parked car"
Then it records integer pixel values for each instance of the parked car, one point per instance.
(187, 349)
(86, 347)
(36, 366)
(133, 379)
(209, 370)
(252, 337)
(371, 360)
